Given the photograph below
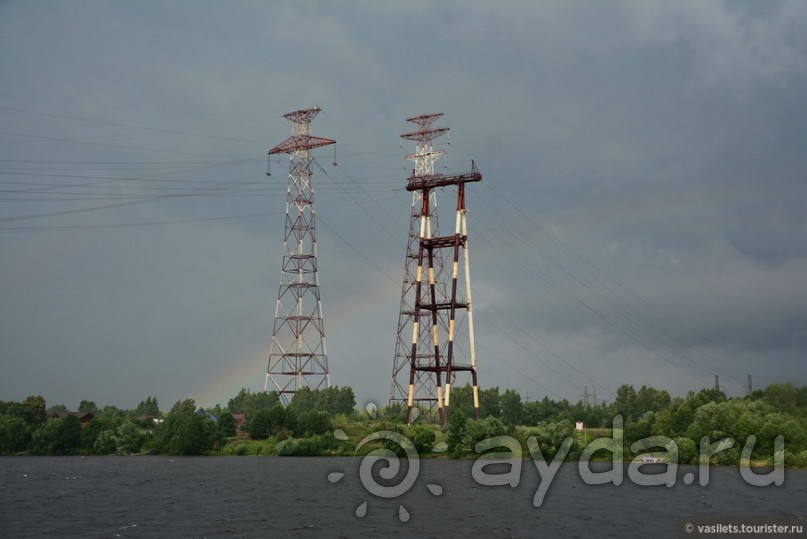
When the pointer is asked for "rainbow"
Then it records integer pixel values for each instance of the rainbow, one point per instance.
(246, 372)
(249, 371)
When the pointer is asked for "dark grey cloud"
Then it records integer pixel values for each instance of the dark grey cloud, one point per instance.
(641, 219)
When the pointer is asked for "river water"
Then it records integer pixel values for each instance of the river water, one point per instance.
(152, 496)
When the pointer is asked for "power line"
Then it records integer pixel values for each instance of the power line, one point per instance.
(128, 225)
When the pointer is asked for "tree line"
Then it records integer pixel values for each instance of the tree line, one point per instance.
(305, 426)
(778, 409)
(30, 427)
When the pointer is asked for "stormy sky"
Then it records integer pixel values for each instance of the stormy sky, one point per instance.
(642, 218)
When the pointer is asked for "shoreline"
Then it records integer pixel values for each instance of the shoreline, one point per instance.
(426, 456)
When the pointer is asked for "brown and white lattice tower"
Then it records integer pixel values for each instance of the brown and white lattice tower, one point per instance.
(297, 355)
(429, 306)
(425, 385)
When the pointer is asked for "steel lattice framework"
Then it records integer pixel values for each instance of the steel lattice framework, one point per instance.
(425, 385)
(297, 355)
(431, 307)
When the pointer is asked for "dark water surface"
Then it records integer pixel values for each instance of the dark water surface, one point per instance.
(292, 497)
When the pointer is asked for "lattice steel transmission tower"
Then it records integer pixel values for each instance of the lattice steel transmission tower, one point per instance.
(297, 355)
(425, 385)
(429, 307)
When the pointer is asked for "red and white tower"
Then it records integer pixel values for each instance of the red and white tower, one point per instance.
(425, 385)
(432, 310)
(297, 355)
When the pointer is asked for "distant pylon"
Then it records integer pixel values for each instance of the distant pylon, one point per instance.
(428, 305)
(297, 355)
(425, 383)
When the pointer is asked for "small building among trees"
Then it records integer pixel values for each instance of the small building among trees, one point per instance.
(83, 417)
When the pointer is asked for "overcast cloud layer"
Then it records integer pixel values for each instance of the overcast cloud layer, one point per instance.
(642, 219)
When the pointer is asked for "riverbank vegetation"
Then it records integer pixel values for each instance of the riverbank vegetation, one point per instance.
(327, 422)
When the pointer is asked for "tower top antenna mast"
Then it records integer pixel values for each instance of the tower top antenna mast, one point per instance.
(425, 156)
(301, 138)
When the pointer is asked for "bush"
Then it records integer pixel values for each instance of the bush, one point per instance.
(307, 447)
(395, 412)
(226, 425)
(14, 434)
(476, 431)
(455, 431)
(185, 432)
(240, 449)
(422, 438)
(269, 421)
(58, 437)
(333, 400)
(104, 443)
(127, 439)
(796, 459)
(310, 423)
(687, 451)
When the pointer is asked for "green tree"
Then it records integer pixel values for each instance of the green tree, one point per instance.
(14, 409)
(595, 417)
(113, 412)
(226, 424)
(58, 437)
(395, 412)
(640, 428)
(552, 435)
(248, 403)
(345, 402)
(422, 437)
(88, 406)
(706, 395)
(778, 424)
(185, 432)
(748, 423)
(55, 409)
(687, 451)
(455, 431)
(194, 436)
(310, 423)
(35, 411)
(327, 400)
(333, 400)
(512, 409)
(662, 424)
(650, 399)
(103, 443)
(489, 404)
(127, 438)
(626, 403)
(15, 434)
(462, 399)
(783, 397)
(148, 407)
(801, 401)
(100, 424)
(304, 400)
(534, 412)
(681, 416)
(476, 431)
(715, 420)
(269, 421)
